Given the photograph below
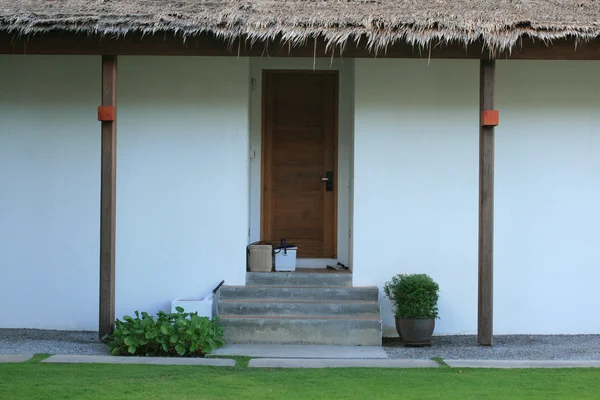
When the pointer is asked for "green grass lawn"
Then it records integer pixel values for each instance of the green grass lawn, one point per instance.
(84, 381)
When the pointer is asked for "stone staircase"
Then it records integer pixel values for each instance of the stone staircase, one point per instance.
(300, 308)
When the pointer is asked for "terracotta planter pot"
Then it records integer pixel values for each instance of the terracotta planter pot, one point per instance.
(415, 332)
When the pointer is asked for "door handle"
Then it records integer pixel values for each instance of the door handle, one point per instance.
(329, 181)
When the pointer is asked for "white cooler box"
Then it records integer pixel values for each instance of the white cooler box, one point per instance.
(203, 306)
(285, 259)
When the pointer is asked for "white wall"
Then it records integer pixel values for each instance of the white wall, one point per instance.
(346, 81)
(416, 189)
(415, 180)
(49, 192)
(182, 184)
(182, 215)
(547, 226)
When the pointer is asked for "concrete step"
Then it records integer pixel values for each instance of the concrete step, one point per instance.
(298, 279)
(349, 331)
(295, 307)
(364, 293)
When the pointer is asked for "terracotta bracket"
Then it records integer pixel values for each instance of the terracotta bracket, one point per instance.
(107, 113)
(489, 118)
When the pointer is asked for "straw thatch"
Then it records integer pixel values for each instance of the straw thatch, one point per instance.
(497, 23)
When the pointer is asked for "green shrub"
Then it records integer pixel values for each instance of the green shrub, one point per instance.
(413, 295)
(177, 334)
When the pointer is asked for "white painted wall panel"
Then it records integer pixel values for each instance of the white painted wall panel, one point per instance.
(547, 197)
(415, 180)
(182, 211)
(49, 192)
(416, 169)
(182, 184)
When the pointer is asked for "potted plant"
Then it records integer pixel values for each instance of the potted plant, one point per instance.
(414, 298)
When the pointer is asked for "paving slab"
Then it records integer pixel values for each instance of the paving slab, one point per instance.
(301, 351)
(523, 363)
(14, 358)
(338, 363)
(76, 359)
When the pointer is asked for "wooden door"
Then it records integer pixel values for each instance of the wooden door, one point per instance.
(299, 179)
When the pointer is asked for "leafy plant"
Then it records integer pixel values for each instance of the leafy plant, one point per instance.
(176, 334)
(413, 295)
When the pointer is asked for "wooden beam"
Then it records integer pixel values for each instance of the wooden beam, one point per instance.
(208, 45)
(108, 197)
(486, 204)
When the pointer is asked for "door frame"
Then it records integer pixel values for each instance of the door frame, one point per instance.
(266, 151)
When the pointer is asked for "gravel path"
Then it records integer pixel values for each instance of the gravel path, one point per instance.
(506, 347)
(32, 341)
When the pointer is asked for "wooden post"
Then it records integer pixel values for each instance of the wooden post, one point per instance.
(107, 114)
(488, 119)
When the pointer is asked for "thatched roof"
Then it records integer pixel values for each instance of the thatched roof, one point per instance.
(497, 23)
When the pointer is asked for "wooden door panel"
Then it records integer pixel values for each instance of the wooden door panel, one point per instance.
(292, 177)
(304, 217)
(299, 147)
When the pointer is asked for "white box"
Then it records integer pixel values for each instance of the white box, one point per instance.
(285, 260)
(203, 306)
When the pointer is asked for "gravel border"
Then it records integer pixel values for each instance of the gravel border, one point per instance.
(453, 347)
(506, 347)
(34, 341)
